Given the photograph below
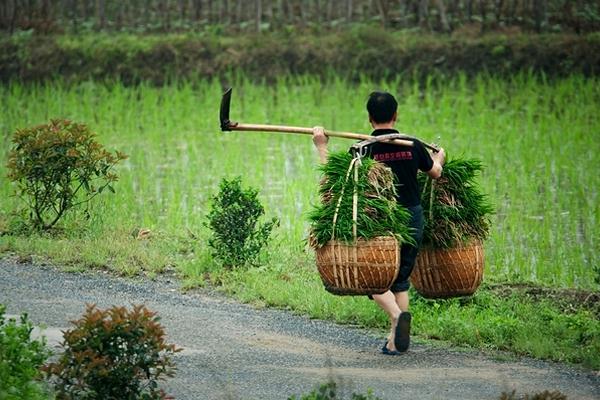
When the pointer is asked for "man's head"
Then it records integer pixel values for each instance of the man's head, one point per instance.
(382, 107)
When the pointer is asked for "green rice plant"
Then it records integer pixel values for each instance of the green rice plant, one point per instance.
(455, 209)
(534, 136)
(378, 213)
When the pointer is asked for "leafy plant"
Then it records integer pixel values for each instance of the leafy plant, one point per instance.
(20, 360)
(237, 237)
(113, 354)
(378, 212)
(545, 395)
(58, 166)
(455, 209)
(329, 391)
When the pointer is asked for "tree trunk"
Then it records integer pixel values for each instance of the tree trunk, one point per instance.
(258, 14)
(483, 15)
(101, 13)
(498, 10)
(302, 13)
(197, 10)
(86, 10)
(224, 15)
(72, 12)
(13, 19)
(424, 14)
(541, 16)
(382, 5)
(443, 16)
(470, 10)
(182, 10)
(349, 11)
(238, 12)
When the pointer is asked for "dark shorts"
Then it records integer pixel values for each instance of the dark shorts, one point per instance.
(408, 254)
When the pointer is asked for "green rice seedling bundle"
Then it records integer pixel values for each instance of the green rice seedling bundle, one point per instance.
(455, 209)
(378, 213)
(450, 264)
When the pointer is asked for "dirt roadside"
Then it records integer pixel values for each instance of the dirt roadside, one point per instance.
(232, 351)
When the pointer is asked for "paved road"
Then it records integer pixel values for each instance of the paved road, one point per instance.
(232, 351)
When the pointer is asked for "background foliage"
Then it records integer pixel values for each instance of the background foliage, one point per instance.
(266, 15)
(354, 54)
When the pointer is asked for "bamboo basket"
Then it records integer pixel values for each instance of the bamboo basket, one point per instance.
(453, 272)
(361, 268)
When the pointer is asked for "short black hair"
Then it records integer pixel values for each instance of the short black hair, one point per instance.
(381, 107)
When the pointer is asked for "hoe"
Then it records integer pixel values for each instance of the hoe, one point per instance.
(228, 125)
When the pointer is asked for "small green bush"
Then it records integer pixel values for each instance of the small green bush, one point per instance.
(58, 166)
(237, 237)
(20, 360)
(329, 391)
(113, 354)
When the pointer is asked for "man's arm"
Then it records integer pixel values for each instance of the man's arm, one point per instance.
(320, 140)
(439, 159)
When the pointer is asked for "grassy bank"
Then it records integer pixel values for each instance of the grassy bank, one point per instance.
(535, 138)
(363, 51)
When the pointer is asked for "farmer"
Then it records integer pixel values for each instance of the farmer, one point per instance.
(404, 162)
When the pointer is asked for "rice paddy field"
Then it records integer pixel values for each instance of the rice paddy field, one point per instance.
(538, 141)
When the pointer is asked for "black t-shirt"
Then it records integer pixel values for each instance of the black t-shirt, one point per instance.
(404, 162)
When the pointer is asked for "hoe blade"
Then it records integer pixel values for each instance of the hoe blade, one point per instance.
(224, 112)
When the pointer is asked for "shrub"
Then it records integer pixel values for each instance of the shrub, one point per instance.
(329, 391)
(113, 354)
(20, 360)
(59, 166)
(237, 237)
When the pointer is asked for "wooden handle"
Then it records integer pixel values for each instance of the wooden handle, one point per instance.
(309, 131)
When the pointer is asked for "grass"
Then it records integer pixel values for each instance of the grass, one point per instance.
(536, 140)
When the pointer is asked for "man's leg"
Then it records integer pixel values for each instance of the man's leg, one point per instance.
(402, 300)
(387, 301)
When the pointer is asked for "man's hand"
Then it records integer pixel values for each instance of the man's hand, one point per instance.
(319, 137)
(320, 140)
(439, 159)
(440, 156)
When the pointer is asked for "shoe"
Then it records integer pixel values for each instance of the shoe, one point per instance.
(402, 336)
(388, 352)
(384, 348)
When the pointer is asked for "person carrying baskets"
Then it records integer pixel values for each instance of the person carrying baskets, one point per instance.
(405, 162)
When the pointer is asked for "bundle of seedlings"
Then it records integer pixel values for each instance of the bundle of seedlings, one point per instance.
(455, 209)
(378, 212)
(358, 228)
(450, 262)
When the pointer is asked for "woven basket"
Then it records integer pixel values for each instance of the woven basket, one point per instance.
(453, 272)
(366, 267)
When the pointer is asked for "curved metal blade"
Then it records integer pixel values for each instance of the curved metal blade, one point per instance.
(224, 112)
